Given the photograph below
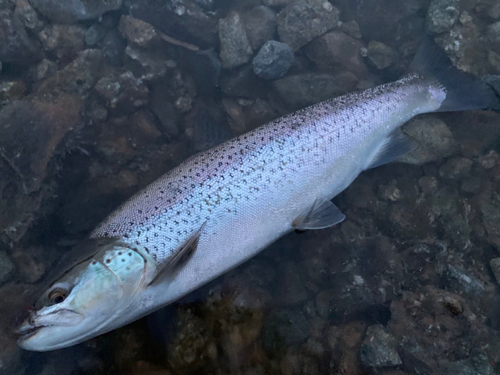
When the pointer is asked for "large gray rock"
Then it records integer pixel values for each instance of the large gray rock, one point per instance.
(70, 11)
(337, 49)
(303, 20)
(15, 44)
(379, 348)
(273, 60)
(298, 91)
(260, 25)
(433, 137)
(442, 15)
(381, 55)
(235, 48)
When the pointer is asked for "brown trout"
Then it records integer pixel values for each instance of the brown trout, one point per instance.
(224, 205)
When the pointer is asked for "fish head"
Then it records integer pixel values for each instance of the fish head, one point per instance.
(85, 300)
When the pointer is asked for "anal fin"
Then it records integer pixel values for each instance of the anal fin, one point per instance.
(396, 145)
(181, 257)
(322, 214)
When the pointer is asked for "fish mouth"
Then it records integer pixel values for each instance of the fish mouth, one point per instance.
(26, 331)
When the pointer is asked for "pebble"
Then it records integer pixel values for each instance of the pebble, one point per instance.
(379, 348)
(95, 34)
(72, 11)
(235, 48)
(27, 15)
(138, 32)
(273, 60)
(147, 65)
(124, 93)
(7, 268)
(65, 40)
(442, 15)
(260, 25)
(15, 44)
(351, 28)
(303, 20)
(381, 55)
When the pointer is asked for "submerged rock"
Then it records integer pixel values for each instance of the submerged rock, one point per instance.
(455, 168)
(138, 32)
(123, 93)
(15, 44)
(260, 25)
(273, 60)
(477, 364)
(66, 41)
(379, 348)
(10, 90)
(303, 20)
(235, 48)
(27, 15)
(381, 55)
(442, 15)
(7, 268)
(75, 10)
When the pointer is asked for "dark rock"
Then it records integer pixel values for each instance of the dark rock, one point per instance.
(138, 32)
(259, 113)
(124, 93)
(184, 20)
(495, 268)
(95, 34)
(7, 268)
(15, 44)
(66, 41)
(27, 15)
(206, 69)
(31, 262)
(235, 48)
(260, 25)
(434, 139)
(44, 69)
(273, 60)
(236, 117)
(351, 28)
(147, 65)
(476, 364)
(490, 210)
(336, 49)
(160, 105)
(379, 348)
(287, 327)
(10, 90)
(276, 3)
(471, 184)
(301, 90)
(379, 19)
(73, 11)
(442, 15)
(291, 290)
(489, 160)
(390, 193)
(242, 82)
(488, 8)
(381, 55)
(113, 47)
(428, 184)
(303, 20)
(455, 168)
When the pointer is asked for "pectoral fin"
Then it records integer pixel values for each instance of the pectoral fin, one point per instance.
(322, 214)
(180, 258)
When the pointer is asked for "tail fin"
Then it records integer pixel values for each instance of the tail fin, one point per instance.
(463, 90)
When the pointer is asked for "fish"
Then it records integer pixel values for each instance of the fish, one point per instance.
(224, 205)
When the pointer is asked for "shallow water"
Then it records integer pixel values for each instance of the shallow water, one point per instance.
(99, 100)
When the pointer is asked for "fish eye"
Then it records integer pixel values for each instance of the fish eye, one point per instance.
(58, 295)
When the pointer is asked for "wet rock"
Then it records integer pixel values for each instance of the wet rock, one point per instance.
(65, 40)
(276, 3)
(72, 11)
(298, 91)
(303, 20)
(11, 90)
(260, 25)
(442, 15)
(495, 268)
(428, 184)
(390, 193)
(477, 364)
(113, 47)
(7, 268)
(379, 348)
(351, 28)
(183, 20)
(15, 44)
(381, 55)
(471, 184)
(123, 93)
(235, 48)
(236, 117)
(138, 32)
(287, 327)
(160, 105)
(31, 262)
(489, 160)
(433, 137)
(273, 60)
(455, 168)
(259, 113)
(489, 8)
(147, 65)
(95, 34)
(27, 15)
(337, 49)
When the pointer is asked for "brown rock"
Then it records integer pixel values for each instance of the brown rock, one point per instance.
(138, 32)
